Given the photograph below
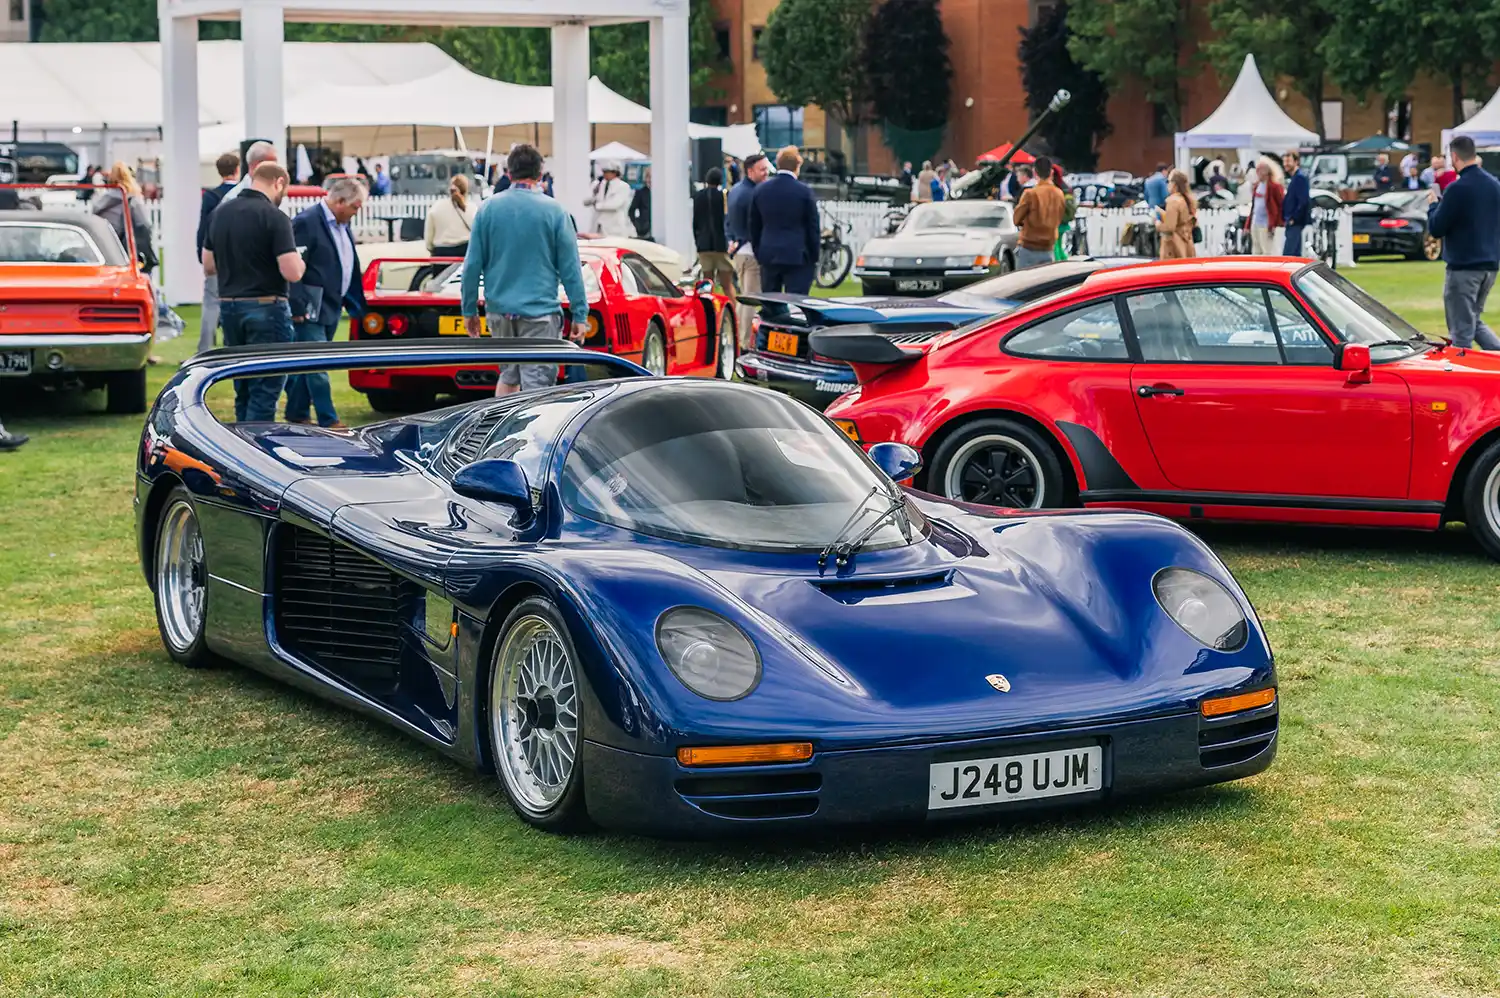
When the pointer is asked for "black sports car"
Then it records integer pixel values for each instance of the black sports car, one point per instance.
(1394, 222)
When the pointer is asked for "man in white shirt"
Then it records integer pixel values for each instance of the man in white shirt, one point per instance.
(610, 200)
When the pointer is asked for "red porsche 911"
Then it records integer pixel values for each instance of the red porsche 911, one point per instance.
(635, 311)
(1219, 389)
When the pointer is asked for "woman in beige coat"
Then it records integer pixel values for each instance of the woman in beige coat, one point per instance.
(1178, 219)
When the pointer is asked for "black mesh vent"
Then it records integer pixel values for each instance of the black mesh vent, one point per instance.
(337, 608)
(1230, 744)
(752, 796)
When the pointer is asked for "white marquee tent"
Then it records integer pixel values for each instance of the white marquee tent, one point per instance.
(1248, 120)
(1483, 128)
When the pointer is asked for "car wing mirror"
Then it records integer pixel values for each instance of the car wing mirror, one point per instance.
(899, 461)
(1353, 357)
(497, 481)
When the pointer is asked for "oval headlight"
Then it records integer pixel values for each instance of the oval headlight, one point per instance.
(712, 656)
(1202, 607)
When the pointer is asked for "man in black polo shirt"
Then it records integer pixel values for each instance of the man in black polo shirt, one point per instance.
(250, 247)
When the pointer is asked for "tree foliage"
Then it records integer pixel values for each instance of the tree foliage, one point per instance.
(1047, 66)
(812, 53)
(620, 55)
(1133, 40)
(906, 64)
(1287, 38)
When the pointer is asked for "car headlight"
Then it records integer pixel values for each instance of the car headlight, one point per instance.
(712, 656)
(1202, 607)
(878, 261)
(958, 261)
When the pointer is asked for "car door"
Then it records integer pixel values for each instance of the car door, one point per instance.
(684, 332)
(1238, 393)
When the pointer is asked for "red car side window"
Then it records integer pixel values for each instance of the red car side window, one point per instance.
(1092, 332)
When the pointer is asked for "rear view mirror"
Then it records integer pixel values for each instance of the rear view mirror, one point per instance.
(497, 481)
(899, 461)
(1353, 357)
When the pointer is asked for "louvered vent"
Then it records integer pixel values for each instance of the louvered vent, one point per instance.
(622, 331)
(337, 608)
(465, 450)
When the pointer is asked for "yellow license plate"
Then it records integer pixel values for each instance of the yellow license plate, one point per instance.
(783, 343)
(1360, 239)
(450, 325)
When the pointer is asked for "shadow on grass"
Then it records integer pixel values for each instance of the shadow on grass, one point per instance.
(1453, 541)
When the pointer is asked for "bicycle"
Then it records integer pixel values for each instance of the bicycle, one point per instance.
(835, 258)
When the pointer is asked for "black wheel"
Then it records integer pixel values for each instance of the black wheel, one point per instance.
(1482, 500)
(125, 392)
(536, 717)
(728, 345)
(1007, 262)
(998, 462)
(834, 264)
(179, 581)
(654, 350)
(390, 400)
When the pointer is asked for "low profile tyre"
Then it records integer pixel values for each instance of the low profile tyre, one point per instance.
(535, 717)
(998, 462)
(391, 401)
(728, 345)
(125, 392)
(1482, 500)
(1007, 262)
(180, 581)
(654, 350)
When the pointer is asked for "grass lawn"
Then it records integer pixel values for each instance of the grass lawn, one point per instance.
(167, 832)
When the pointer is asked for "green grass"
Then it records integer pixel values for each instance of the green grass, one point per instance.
(167, 832)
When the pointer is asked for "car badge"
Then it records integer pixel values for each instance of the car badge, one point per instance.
(999, 682)
(919, 259)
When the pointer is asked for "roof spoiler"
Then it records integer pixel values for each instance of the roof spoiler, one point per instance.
(862, 348)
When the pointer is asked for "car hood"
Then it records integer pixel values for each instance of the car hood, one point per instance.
(938, 242)
(1444, 363)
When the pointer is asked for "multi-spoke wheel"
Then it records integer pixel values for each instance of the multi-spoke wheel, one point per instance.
(725, 352)
(535, 720)
(1482, 500)
(998, 462)
(180, 579)
(654, 350)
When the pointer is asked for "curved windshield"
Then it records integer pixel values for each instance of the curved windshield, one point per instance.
(451, 282)
(957, 215)
(1356, 317)
(721, 466)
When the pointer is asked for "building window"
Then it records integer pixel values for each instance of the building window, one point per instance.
(755, 34)
(1333, 120)
(18, 10)
(1398, 119)
(778, 125)
(724, 42)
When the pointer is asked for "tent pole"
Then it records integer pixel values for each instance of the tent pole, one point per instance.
(489, 152)
(416, 143)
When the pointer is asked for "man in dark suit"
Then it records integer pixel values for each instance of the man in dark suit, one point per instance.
(1296, 206)
(332, 282)
(784, 229)
(228, 166)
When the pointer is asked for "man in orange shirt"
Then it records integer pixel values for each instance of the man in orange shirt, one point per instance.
(1038, 215)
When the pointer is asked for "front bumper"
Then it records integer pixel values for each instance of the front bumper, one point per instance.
(932, 282)
(78, 353)
(655, 795)
(815, 382)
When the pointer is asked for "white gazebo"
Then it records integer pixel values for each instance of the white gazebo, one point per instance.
(1483, 127)
(262, 30)
(1248, 120)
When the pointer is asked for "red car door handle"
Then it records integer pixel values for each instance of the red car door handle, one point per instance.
(1146, 391)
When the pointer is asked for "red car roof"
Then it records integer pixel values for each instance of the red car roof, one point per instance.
(1155, 272)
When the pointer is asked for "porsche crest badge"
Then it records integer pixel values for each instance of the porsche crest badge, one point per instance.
(999, 682)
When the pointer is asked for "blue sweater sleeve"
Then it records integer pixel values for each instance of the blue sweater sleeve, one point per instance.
(1442, 212)
(569, 269)
(473, 262)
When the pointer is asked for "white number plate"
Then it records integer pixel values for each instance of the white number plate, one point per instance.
(970, 782)
(924, 284)
(15, 363)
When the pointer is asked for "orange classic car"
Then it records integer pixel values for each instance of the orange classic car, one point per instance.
(75, 310)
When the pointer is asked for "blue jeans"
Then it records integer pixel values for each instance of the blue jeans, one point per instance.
(1032, 258)
(250, 322)
(1292, 245)
(304, 390)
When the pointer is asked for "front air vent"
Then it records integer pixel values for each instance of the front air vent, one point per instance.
(465, 450)
(1238, 741)
(754, 796)
(856, 589)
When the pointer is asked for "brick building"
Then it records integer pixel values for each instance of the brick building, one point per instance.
(989, 106)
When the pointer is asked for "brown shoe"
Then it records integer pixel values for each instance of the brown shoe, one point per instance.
(296, 422)
(335, 426)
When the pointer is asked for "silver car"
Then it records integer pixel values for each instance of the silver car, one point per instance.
(941, 246)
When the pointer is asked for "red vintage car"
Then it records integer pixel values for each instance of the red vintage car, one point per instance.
(1220, 389)
(635, 311)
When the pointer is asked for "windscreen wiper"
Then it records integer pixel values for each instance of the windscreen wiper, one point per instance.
(897, 504)
(859, 511)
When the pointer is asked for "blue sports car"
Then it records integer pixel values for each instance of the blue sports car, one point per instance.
(782, 360)
(682, 606)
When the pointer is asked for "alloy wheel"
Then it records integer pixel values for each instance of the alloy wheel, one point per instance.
(727, 345)
(534, 713)
(654, 354)
(996, 470)
(181, 577)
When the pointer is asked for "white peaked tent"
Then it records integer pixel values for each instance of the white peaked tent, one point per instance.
(1483, 128)
(1248, 120)
(617, 151)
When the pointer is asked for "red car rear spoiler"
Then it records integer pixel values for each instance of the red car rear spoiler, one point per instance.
(862, 348)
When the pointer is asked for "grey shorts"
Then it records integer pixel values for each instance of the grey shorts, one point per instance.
(546, 327)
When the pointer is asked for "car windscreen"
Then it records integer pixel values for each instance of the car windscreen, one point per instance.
(452, 282)
(1356, 316)
(724, 466)
(44, 242)
(957, 215)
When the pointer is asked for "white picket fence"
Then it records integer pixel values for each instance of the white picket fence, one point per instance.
(372, 225)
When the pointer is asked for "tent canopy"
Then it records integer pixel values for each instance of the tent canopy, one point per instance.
(1248, 118)
(1483, 128)
(996, 154)
(618, 151)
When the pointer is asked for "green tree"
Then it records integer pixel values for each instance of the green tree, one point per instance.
(909, 75)
(812, 51)
(1286, 38)
(515, 55)
(1140, 40)
(98, 21)
(620, 55)
(1047, 67)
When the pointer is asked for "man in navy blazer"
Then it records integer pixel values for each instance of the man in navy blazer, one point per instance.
(1296, 206)
(784, 229)
(332, 283)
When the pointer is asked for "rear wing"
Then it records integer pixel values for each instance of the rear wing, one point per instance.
(827, 311)
(864, 349)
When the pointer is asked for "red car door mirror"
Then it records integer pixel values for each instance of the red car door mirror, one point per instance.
(1354, 357)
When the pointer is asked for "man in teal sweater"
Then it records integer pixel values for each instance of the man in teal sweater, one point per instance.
(523, 246)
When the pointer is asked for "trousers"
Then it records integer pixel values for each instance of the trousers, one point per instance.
(313, 389)
(247, 322)
(1464, 295)
(747, 275)
(210, 323)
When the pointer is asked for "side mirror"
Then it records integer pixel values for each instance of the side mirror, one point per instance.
(497, 481)
(1353, 357)
(898, 461)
